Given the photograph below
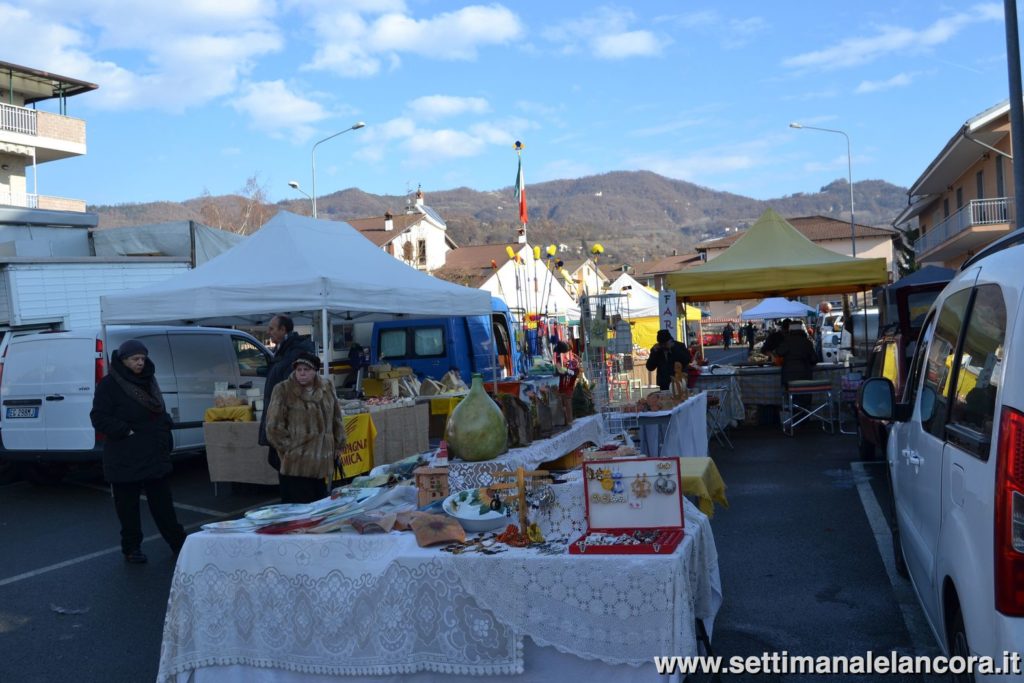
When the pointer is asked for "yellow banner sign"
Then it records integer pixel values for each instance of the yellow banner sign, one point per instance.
(357, 456)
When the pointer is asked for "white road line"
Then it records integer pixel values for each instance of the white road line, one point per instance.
(182, 506)
(116, 549)
(913, 618)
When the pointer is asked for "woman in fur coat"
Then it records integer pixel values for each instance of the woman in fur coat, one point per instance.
(305, 426)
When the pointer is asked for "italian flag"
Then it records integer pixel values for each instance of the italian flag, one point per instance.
(521, 193)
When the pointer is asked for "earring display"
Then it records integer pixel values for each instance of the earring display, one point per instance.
(634, 506)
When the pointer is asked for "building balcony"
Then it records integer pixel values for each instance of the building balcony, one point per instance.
(28, 200)
(51, 136)
(979, 223)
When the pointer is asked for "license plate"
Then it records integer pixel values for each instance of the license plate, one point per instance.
(14, 413)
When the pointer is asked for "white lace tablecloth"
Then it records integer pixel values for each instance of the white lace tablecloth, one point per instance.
(467, 475)
(348, 605)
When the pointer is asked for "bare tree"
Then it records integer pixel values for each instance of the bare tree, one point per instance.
(210, 211)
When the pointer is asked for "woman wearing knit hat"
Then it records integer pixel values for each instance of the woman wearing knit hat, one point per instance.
(305, 425)
(128, 410)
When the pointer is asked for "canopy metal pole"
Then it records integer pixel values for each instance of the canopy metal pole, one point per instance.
(325, 334)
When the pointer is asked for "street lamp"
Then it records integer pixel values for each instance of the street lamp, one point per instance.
(294, 184)
(849, 170)
(355, 126)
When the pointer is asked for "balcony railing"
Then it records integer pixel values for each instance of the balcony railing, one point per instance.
(21, 199)
(977, 212)
(18, 119)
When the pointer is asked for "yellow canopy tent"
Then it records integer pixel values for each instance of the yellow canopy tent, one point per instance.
(773, 259)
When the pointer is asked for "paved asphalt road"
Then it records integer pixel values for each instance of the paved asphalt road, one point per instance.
(803, 555)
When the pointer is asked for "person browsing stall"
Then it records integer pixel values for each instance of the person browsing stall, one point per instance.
(798, 355)
(128, 410)
(305, 425)
(664, 355)
(288, 344)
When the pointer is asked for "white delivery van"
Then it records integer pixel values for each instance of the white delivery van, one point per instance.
(956, 459)
(47, 382)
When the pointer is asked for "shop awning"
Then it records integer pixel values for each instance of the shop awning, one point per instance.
(774, 259)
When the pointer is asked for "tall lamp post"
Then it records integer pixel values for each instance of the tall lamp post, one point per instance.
(294, 184)
(355, 126)
(849, 171)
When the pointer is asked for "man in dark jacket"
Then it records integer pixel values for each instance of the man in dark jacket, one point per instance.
(775, 337)
(128, 410)
(664, 355)
(798, 359)
(288, 344)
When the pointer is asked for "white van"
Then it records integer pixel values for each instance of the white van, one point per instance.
(956, 458)
(47, 382)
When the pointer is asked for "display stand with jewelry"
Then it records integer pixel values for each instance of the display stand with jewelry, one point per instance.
(527, 489)
(634, 506)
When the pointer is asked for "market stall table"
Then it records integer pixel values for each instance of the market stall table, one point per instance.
(306, 608)
(233, 454)
(681, 431)
(763, 385)
(702, 480)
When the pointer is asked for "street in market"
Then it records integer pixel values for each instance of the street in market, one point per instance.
(802, 549)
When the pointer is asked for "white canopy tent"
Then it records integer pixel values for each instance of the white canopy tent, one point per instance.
(777, 307)
(643, 302)
(295, 264)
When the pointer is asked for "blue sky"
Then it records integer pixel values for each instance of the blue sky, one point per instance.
(202, 94)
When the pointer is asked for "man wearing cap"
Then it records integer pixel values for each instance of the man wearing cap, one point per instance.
(664, 355)
(128, 410)
(288, 344)
(305, 425)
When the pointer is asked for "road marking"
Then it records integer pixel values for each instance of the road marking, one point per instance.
(182, 506)
(913, 618)
(116, 549)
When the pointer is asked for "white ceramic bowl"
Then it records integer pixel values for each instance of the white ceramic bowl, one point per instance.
(470, 519)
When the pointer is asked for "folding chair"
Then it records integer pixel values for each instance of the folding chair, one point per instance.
(718, 398)
(798, 413)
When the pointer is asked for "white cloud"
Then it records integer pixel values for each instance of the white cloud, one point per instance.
(897, 81)
(172, 56)
(741, 32)
(628, 44)
(274, 109)
(352, 46)
(606, 34)
(670, 127)
(893, 39)
(433, 107)
(444, 143)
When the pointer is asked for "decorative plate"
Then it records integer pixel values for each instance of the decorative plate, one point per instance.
(231, 526)
(280, 513)
(472, 509)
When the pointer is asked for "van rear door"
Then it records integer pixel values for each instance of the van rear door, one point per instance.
(201, 359)
(48, 385)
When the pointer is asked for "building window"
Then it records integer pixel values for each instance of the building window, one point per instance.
(959, 198)
(391, 248)
(945, 208)
(1000, 186)
(421, 252)
(979, 179)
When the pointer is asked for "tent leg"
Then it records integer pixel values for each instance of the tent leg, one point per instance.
(326, 335)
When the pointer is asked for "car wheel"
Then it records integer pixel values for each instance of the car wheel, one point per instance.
(894, 528)
(958, 646)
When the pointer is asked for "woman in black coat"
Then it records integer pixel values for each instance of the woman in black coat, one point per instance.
(128, 410)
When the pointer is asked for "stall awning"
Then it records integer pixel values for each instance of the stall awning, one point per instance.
(774, 259)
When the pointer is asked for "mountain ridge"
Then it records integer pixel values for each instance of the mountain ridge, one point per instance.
(636, 215)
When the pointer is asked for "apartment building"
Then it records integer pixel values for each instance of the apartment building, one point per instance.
(962, 199)
(30, 137)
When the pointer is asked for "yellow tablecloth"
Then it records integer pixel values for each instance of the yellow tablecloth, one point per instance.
(444, 405)
(228, 414)
(702, 480)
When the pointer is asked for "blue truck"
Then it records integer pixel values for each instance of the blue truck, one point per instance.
(433, 346)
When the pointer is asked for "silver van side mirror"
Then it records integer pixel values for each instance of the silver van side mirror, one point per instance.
(876, 398)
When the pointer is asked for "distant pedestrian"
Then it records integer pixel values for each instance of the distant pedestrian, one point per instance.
(128, 410)
(288, 344)
(305, 425)
(751, 335)
(727, 336)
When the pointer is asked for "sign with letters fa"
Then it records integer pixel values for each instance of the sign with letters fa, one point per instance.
(667, 312)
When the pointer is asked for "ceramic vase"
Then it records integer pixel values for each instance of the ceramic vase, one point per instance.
(476, 429)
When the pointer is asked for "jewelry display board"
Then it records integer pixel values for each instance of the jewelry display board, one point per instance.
(634, 506)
